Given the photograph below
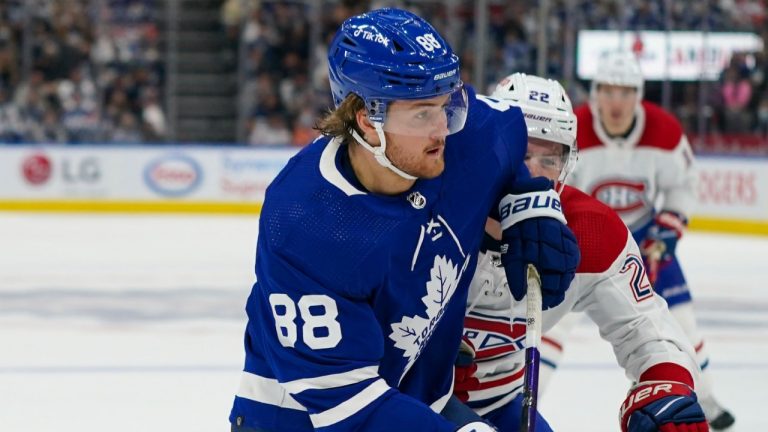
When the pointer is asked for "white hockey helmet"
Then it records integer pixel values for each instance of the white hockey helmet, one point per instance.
(619, 68)
(548, 113)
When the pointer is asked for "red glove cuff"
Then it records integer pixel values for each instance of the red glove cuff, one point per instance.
(667, 372)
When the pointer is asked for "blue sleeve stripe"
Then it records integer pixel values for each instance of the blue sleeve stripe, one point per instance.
(267, 391)
(350, 406)
(332, 381)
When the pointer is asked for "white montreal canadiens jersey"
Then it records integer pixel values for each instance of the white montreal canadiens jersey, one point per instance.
(650, 169)
(610, 286)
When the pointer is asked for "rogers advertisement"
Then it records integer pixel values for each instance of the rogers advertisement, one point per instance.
(733, 188)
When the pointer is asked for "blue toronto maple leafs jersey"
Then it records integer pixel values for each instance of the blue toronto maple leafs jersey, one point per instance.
(358, 307)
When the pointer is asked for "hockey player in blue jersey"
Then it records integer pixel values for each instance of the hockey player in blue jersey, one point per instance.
(369, 236)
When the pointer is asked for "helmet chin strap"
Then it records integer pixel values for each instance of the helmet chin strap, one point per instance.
(380, 152)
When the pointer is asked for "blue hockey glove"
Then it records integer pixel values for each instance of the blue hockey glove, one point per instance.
(534, 232)
(663, 401)
(666, 230)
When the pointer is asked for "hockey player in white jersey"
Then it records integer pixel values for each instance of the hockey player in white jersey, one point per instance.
(635, 158)
(611, 286)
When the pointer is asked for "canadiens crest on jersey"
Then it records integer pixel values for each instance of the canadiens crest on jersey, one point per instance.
(494, 336)
(621, 195)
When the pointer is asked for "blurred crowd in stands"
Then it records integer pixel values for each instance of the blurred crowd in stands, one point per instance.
(96, 67)
(79, 71)
(288, 83)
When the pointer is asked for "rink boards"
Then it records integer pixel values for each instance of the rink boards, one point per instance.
(732, 191)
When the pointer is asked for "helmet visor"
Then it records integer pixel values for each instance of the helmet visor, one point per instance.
(434, 117)
(550, 159)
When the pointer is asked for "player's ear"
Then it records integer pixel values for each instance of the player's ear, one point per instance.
(367, 131)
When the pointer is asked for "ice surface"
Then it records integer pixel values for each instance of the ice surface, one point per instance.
(134, 323)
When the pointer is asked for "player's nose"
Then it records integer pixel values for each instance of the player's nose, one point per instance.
(439, 127)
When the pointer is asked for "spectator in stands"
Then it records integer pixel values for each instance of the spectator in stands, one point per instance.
(736, 92)
(232, 13)
(78, 89)
(12, 125)
(81, 121)
(303, 126)
(33, 96)
(49, 130)
(762, 117)
(646, 16)
(152, 116)
(687, 111)
(127, 130)
(270, 130)
(9, 73)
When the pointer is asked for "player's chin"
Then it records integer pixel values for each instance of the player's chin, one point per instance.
(432, 168)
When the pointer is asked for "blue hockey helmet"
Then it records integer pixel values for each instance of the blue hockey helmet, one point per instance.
(391, 54)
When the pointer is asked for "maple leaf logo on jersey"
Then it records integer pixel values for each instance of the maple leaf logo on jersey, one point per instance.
(412, 333)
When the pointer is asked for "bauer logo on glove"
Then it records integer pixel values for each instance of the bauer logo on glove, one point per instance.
(534, 232)
(514, 208)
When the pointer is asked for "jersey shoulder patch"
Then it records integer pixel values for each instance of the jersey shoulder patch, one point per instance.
(662, 130)
(586, 136)
(600, 233)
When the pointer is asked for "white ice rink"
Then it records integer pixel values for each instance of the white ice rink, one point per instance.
(134, 324)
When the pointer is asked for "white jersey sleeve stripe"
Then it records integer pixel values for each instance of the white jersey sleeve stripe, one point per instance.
(350, 406)
(266, 390)
(332, 381)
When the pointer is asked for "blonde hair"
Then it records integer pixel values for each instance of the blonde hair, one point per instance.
(338, 122)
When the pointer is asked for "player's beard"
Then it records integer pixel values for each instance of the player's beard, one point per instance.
(424, 164)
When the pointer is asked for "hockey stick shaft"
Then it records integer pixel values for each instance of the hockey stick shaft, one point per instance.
(532, 358)
(654, 253)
